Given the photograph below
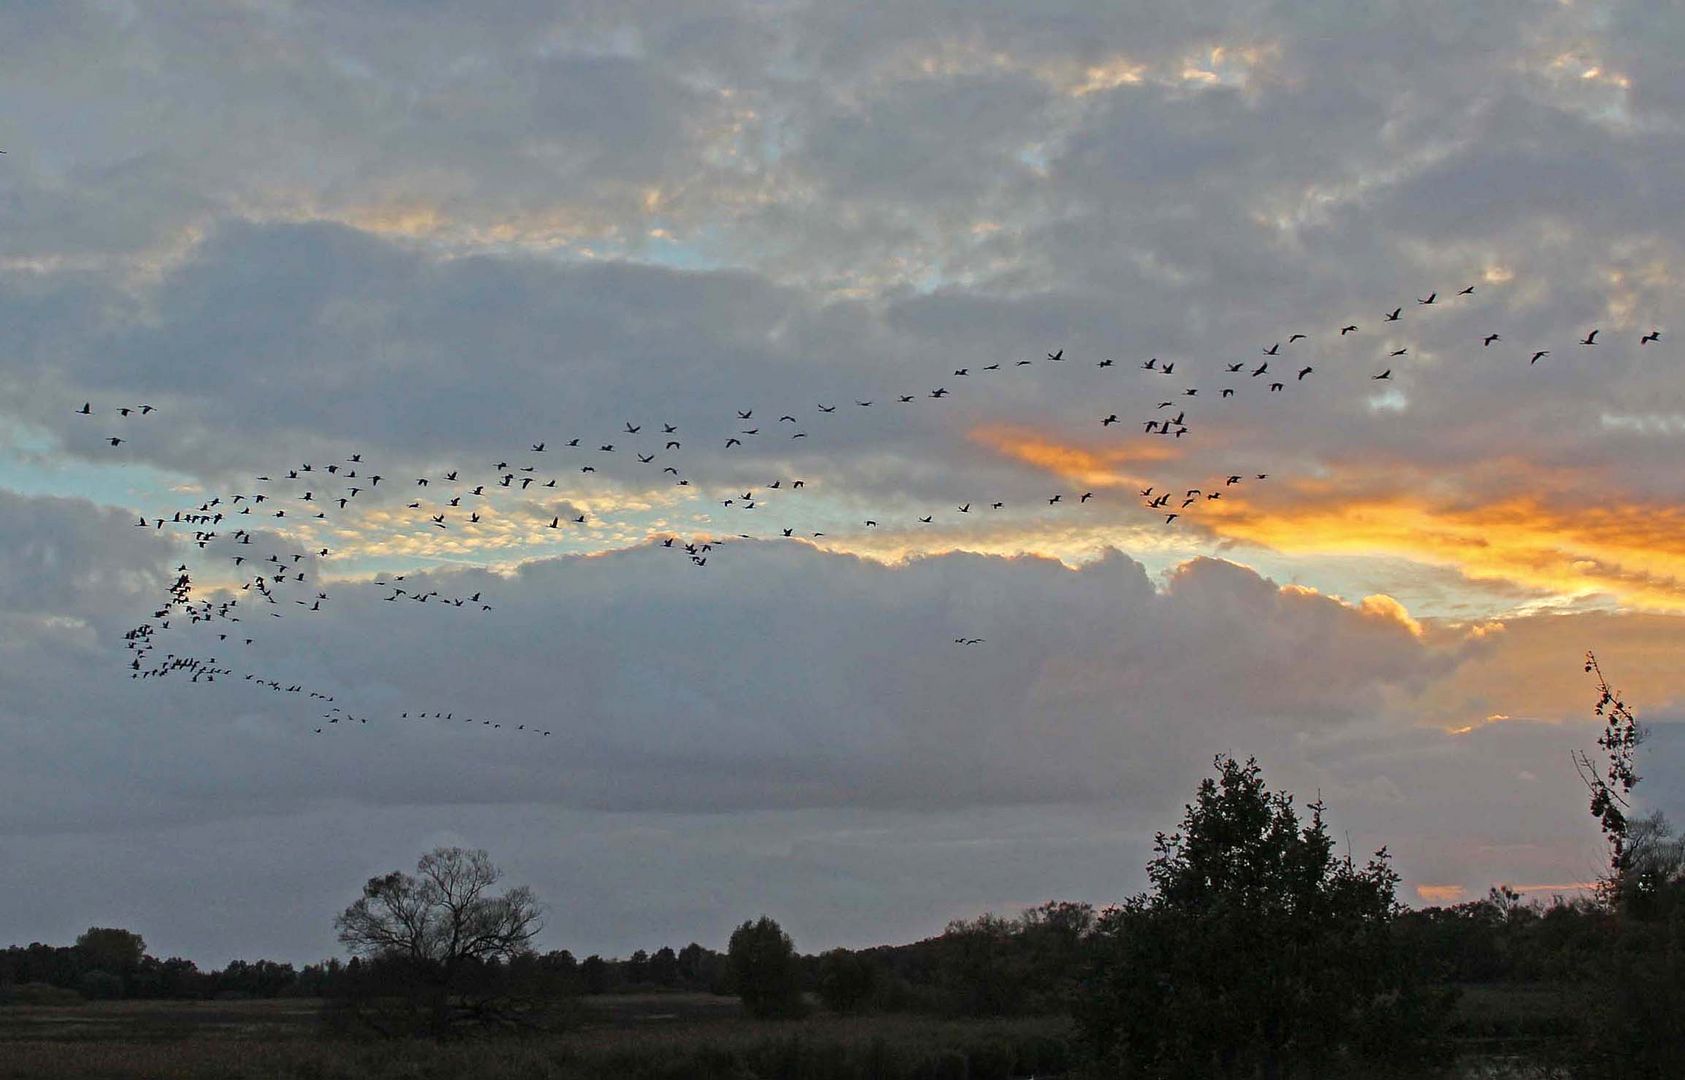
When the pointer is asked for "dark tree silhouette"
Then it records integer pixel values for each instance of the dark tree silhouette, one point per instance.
(1638, 1003)
(846, 980)
(115, 952)
(664, 966)
(1257, 949)
(1611, 786)
(764, 969)
(436, 934)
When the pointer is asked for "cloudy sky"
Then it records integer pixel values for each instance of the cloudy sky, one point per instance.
(434, 237)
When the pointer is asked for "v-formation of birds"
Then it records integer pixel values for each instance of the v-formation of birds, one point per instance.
(279, 578)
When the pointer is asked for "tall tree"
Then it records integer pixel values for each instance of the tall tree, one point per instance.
(1611, 784)
(1256, 950)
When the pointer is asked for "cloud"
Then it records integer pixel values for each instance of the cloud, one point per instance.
(815, 699)
(1626, 551)
(779, 677)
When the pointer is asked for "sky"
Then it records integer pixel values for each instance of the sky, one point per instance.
(418, 240)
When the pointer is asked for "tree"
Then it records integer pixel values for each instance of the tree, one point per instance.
(764, 970)
(595, 972)
(118, 952)
(846, 980)
(982, 968)
(1256, 950)
(436, 934)
(1639, 1005)
(664, 966)
(1611, 787)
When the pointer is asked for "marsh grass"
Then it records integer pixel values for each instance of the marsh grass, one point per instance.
(659, 1036)
(643, 1037)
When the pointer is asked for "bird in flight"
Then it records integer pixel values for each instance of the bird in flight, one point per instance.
(1589, 339)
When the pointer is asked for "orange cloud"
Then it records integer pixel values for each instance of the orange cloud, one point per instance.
(1441, 894)
(1382, 606)
(1633, 552)
(1095, 468)
(1530, 671)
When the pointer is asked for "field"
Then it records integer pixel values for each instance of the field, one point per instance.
(632, 1036)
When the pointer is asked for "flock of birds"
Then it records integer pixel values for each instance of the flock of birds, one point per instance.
(266, 538)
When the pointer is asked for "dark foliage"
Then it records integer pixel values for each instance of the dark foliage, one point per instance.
(764, 970)
(1257, 951)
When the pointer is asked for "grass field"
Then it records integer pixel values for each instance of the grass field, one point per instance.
(634, 1036)
(627, 1037)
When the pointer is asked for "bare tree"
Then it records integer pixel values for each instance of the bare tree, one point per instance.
(441, 929)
